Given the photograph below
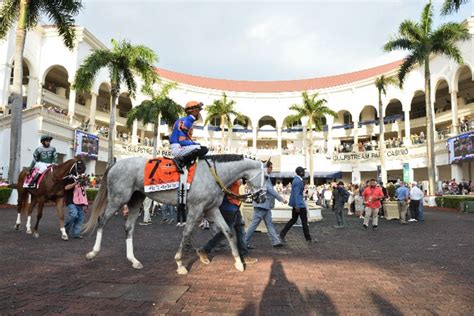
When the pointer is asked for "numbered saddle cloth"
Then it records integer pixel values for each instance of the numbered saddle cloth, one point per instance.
(30, 177)
(161, 174)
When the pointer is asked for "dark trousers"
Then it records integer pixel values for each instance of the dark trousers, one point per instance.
(235, 222)
(414, 208)
(181, 214)
(303, 214)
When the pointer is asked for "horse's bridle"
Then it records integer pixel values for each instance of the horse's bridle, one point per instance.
(242, 197)
(70, 173)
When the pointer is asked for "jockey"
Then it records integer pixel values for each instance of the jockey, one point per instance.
(183, 148)
(43, 157)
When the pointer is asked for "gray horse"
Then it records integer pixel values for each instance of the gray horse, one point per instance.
(123, 184)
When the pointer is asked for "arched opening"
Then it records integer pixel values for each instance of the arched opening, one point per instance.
(103, 98)
(56, 81)
(26, 73)
(267, 123)
(292, 126)
(368, 115)
(393, 111)
(418, 110)
(124, 105)
(442, 102)
(241, 124)
(465, 98)
(418, 106)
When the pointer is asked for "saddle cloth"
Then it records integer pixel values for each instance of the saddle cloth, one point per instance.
(161, 174)
(29, 178)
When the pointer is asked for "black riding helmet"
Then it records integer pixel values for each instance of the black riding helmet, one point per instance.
(46, 138)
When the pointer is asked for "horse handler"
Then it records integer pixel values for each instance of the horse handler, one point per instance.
(230, 210)
(263, 211)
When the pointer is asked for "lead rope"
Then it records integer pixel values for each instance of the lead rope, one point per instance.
(222, 186)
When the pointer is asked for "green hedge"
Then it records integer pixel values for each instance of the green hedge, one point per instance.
(91, 194)
(452, 201)
(5, 193)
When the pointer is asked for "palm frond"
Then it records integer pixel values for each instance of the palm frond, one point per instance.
(8, 16)
(410, 30)
(450, 6)
(398, 43)
(427, 18)
(408, 64)
(129, 81)
(62, 13)
(88, 70)
(34, 12)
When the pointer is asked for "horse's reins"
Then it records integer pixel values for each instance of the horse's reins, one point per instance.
(241, 197)
(69, 175)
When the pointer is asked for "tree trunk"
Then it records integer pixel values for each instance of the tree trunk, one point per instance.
(156, 133)
(311, 160)
(383, 169)
(429, 131)
(113, 108)
(222, 132)
(17, 94)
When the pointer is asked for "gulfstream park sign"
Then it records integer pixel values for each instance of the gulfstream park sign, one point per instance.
(369, 155)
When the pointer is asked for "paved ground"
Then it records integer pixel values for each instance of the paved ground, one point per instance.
(414, 269)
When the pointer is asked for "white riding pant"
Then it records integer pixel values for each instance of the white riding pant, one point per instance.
(178, 151)
(42, 166)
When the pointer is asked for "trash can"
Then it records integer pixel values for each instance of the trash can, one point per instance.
(469, 206)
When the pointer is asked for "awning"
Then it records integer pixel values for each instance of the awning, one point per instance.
(317, 174)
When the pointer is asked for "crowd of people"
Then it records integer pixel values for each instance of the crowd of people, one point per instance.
(452, 187)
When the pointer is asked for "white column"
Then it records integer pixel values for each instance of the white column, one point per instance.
(32, 92)
(356, 136)
(72, 103)
(93, 111)
(206, 134)
(407, 140)
(39, 94)
(356, 176)
(454, 112)
(456, 172)
(254, 139)
(330, 140)
(279, 141)
(135, 133)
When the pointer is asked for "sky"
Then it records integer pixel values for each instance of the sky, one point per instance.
(259, 40)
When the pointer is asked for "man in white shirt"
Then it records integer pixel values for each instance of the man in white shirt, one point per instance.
(416, 195)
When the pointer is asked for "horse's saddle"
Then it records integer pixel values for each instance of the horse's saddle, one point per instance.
(34, 176)
(161, 174)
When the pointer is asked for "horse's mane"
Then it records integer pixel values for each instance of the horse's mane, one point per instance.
(224, 157)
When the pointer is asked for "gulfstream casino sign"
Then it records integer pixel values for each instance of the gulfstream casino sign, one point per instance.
(368, 155)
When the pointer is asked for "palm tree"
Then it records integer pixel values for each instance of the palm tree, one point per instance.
(26, 14)
(314, 109)
(123, 61)
(381, 84)
(450, 6)
(160, 107)
(422, 42)
(222, 109)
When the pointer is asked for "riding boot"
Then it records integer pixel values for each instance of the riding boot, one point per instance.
(34, 181)
(178, 161)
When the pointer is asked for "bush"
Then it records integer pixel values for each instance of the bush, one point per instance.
(5, 193)
(391, 191)
(452, 201)
(91, 194)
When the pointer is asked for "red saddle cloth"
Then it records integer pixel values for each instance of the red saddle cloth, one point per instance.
(161, 174)
(31, 176)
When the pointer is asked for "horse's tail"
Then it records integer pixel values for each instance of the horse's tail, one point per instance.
(98, 208)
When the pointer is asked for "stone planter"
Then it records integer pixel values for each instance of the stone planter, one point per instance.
(391, 210)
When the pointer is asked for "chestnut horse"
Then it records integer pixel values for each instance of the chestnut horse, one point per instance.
(51, 188)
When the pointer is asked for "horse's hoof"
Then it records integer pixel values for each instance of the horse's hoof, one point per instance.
(90, 255)
(17, 227)
(29, 231)
(64, 237)
(137, 265)
(182, 271)
(36, 235)
(239, 266)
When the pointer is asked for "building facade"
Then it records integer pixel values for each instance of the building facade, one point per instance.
(347, 148)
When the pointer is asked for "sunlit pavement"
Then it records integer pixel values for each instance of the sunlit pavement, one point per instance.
(413, 269)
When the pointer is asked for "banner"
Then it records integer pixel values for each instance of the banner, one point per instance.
(86, 144)
(406, 173)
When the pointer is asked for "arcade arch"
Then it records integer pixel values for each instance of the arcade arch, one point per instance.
(56, 81)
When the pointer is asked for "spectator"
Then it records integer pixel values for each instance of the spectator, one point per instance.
(372, 196)
(76, 200)
(402, 195)
(416, 197)
(341, 196)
